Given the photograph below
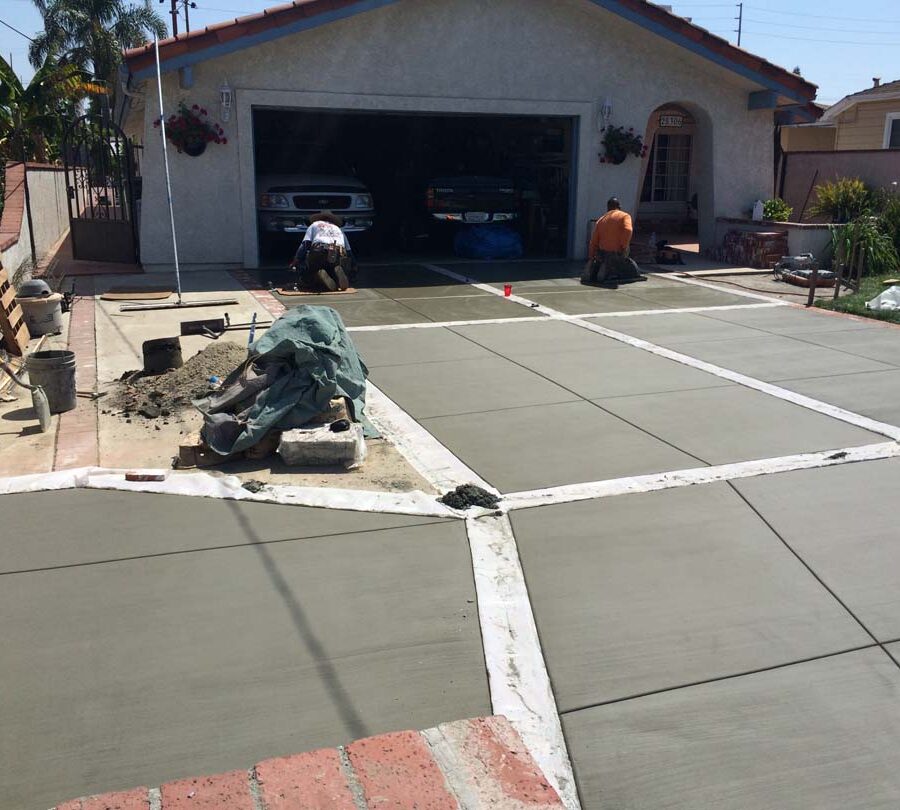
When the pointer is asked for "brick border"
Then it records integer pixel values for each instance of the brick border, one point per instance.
(468, 763)
(263, 297)
(77, 440)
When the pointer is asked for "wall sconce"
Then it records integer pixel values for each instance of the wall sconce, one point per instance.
(606, 111)
(226, 98)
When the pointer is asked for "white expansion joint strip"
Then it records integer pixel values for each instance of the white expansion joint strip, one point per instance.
(517, 675)
(697, 475)
(864, 422)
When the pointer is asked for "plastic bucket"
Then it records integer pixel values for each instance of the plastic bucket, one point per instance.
(54, 371)
(162, 354)
(43, 315)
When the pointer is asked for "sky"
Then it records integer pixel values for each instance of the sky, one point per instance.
(837, 45)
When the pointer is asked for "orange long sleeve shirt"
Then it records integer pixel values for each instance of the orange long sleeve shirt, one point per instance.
(611, 233)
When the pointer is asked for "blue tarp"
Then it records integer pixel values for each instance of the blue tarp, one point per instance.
(488, 242)
(308, 359)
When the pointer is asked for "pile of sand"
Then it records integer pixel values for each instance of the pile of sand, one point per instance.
(165, 394)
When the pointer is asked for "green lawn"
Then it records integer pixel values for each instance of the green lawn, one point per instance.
(855, 304)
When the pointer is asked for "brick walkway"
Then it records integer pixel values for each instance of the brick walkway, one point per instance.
(469, 763)
(77, 443)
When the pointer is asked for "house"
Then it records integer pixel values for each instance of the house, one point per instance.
(869, 119)
(402, 91)
(857, 137)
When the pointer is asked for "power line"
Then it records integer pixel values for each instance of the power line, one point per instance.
(823, 16)
(827, 41)
(818, 28)
(13, 28)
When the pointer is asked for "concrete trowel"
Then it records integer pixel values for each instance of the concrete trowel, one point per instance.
(38, 398)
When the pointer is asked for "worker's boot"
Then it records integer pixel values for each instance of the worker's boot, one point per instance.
(325, 281)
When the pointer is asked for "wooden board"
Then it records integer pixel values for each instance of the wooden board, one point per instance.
(288, 292)
(136, 294)
(13, 331)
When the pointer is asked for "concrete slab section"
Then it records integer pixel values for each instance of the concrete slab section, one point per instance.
(775, 357)
(823, 734)
(458, 308)
(592, 299)
(391, 279)
(723, 425)
(76, 527)
(875, 394)
(878, 343)
(619, 372)
(406, 346)
(676, 327)
(790, 320)
(465, 387)
(368, 313)
(841, 521)
(517, 340)
(639, 593)
(147, 671)
(685, 295)
(551, 445)
(501, 272)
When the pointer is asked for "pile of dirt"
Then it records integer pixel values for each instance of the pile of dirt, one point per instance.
(164, 394)
(469, 495)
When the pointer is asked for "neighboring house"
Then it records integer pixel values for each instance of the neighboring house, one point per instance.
(857, 137)
(517, 88)
(869, 119)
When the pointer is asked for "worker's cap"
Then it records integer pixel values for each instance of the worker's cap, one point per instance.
(613, 202)
(328, 216)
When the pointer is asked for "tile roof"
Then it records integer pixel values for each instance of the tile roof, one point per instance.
(189, 47)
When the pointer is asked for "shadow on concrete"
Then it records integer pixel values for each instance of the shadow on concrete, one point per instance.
(354, 724)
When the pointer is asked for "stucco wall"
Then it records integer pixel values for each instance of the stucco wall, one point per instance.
(478, 56)
(49, 213)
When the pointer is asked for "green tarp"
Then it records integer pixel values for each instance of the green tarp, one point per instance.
(308, 358)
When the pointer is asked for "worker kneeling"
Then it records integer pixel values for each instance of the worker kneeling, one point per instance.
(324, 258)
(608, 259)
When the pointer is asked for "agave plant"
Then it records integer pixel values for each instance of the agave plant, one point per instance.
(864, 240)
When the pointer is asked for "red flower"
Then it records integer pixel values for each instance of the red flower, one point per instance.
(195, 107)
(202, 111)
(224, 140)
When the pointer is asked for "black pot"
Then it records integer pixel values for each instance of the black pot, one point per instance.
(194, 147)
(616, 156)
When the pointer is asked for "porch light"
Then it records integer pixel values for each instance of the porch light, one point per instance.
(226, 97)
(606, 111)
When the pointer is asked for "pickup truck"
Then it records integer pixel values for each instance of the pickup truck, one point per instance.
(472, 198)
(287, 201)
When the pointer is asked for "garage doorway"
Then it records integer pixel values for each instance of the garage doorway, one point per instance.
(394, 161)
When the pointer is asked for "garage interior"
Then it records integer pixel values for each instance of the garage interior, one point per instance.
(396, 155)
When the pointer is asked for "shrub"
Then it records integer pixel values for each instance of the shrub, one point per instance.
(776, 210)
(888, 205)
(845, 199)
(865, 235)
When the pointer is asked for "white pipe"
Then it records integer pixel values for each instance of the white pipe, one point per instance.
(162, 126)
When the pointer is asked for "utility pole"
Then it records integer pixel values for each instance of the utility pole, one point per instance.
(740, 21)
(173, 11)
(188, 4)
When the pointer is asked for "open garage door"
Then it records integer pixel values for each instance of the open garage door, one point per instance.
(406, 184)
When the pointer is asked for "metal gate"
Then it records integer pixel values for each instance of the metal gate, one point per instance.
(100, 185)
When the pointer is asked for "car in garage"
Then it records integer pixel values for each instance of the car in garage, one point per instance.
(472, 199)
(286, 202)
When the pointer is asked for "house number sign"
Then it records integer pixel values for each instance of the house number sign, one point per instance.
(675, 121)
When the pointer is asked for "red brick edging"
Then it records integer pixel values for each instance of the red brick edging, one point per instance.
(77, 442)
(469, 763)
(263, 297)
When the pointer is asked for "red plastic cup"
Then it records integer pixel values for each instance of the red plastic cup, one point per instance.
(507, 290)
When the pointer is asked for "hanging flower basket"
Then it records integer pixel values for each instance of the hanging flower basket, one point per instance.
(619, 143)
(190, 131)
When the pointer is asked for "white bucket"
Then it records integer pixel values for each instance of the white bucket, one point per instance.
(43, 315)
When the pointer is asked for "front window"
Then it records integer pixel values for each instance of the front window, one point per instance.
(892, 139)
(668, 171)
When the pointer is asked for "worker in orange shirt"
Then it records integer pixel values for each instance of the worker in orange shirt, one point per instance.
(610, 242)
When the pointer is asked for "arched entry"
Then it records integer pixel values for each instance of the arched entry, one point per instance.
(675, 190)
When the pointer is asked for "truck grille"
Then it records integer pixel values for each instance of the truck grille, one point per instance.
(321, 202)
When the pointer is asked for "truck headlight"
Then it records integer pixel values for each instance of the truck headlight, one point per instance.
(273, 201)
(364, 201)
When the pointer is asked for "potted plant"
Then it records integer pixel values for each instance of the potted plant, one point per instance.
(619, 143)
(190, 130)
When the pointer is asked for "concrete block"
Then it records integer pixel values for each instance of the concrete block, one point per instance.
(319, 447)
